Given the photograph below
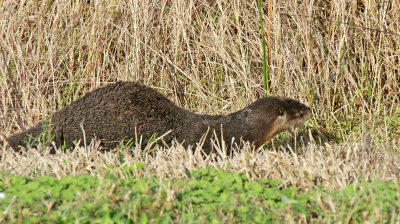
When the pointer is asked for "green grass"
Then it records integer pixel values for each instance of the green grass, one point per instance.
(206, 195)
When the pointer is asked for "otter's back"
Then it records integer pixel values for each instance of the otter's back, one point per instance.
(111, 113)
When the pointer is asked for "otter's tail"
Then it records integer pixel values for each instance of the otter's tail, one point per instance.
(23, 138)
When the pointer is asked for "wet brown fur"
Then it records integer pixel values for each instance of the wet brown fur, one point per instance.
(113, 112)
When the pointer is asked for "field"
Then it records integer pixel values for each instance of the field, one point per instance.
(341, 58)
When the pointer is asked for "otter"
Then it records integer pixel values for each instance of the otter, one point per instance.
(123, 110)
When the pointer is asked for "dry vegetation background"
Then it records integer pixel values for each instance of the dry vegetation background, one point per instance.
(206, 56)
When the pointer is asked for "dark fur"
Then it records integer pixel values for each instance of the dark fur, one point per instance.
(111, 113)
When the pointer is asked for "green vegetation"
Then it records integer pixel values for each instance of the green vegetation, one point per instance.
(207, 195)
(43, 139)
(265, 65)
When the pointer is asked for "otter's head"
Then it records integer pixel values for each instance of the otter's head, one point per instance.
(273, 115)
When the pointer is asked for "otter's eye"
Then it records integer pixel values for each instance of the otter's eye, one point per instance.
(280, 111)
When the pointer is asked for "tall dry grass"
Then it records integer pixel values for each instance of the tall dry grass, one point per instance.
(206, 56)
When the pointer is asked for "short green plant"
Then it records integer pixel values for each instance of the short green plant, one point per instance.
(209, 195)
(44, 139)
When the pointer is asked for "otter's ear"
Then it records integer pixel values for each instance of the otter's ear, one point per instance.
(280, 111)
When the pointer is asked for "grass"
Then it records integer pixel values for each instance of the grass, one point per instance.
(206, 195)
(207, 57)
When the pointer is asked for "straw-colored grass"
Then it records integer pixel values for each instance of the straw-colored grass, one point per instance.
(330, 167)
(206, 57)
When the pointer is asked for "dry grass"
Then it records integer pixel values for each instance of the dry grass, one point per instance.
(312, 165)
(205, 56)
